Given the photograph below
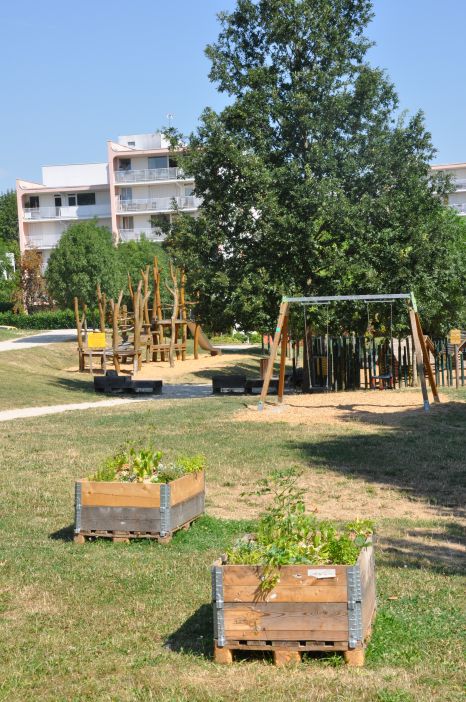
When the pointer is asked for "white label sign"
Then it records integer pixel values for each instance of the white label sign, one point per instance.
(322, 573)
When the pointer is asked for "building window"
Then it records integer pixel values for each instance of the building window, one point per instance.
(157, 162)
(72, 200)
(124, 164)
(126, 194)
(172, 163)
(33, 201)
(57, 199)
(86, 198)
(132, 143)
(128, 223)
(188, 191)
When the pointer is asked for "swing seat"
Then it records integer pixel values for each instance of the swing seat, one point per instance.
(381, 382)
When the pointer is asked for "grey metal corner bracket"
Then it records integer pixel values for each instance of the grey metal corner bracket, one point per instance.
(353, 577)
(165, 509)
(218, 605)
(77, 507)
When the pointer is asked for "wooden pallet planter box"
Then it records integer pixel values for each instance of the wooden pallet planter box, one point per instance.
(313, 608)
(137, 510)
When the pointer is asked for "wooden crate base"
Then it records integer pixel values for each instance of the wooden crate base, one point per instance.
(289, 652)
(126, 536)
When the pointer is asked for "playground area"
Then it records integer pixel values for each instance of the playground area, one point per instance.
(136, 615)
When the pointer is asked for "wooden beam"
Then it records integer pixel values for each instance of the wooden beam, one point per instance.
(281, 377)
(273, 353)
(426, 359)
(419, 358)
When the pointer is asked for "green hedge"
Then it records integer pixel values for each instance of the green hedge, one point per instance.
(60, 319)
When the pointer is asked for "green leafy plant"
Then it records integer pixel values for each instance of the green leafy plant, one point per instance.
(145, 465)
(287, 535)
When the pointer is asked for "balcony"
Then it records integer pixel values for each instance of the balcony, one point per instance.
(148, 175)
(460, 184)
(159, 204)
(138, 234)
(76, 212)
(43, 241)
(459, 207)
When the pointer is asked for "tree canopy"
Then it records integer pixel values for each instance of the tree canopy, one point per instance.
(9, 217)
(84, 257)
(311, 182)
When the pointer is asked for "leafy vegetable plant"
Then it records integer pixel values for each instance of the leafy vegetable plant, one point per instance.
(146, 465)
(287, 535)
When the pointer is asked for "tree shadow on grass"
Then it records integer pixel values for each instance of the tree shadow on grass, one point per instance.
(63, 534)
(195, 635)
(77, 385)
(421, 454)
(439, 550)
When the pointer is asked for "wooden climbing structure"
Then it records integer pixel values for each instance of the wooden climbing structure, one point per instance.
(143, 333)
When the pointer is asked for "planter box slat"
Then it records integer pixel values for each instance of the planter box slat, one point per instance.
(120, 494)
(187, 486)
(120, 519)
(287, 593)
(292, 575)
(311, 608)
(126, 509)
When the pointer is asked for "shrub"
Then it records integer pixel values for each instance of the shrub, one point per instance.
(59, 319)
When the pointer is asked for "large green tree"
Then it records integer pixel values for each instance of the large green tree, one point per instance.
(84, 257)
(311, 183)
(8, 217)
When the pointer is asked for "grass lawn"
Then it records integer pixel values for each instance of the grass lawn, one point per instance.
(104, 622)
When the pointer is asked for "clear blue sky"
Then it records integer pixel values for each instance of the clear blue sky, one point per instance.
(75, 75)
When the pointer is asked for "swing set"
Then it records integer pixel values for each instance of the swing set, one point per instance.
(281, 338)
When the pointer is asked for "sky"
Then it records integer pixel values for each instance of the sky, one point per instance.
(74, 75)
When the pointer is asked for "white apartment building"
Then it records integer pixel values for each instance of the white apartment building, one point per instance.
(456, 199)
(131, 194)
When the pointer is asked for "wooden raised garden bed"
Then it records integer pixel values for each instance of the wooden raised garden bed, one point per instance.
(124, 510)
(312, 608)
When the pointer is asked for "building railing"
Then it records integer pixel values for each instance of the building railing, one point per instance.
(153, 234)
(461, 207)
(45, 241)
(76, 212)
(148, 174)
(460, 184)
(159, 204)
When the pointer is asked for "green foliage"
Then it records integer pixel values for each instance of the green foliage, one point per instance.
(134, 256)
(84, 257)
(9, 218)
(286, 534)
(58, 319)
(9, 278)
(310, 183)
(145, 465)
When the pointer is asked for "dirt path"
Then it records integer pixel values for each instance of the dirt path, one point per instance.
(55, 336)
(170, 392)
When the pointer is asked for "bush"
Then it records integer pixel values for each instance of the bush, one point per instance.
(84, 257)
(59, 319)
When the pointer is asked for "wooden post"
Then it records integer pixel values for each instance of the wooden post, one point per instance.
(284, 344)
(273, 354)
(419, 362)
(175, 293)
(197, 330)
(115, 316)
(426, 359)
(184, 326)
(457, 365)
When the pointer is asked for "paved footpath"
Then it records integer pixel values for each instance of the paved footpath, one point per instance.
(55, 336)
(170, 392)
